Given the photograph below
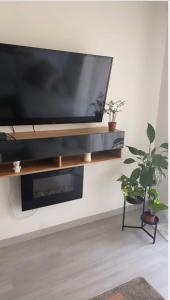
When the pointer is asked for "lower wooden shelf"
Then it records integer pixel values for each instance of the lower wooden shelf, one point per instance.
(72, 161)
(45, 165)
(6, 170)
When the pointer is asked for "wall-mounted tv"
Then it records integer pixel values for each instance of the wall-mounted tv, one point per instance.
(40, 86)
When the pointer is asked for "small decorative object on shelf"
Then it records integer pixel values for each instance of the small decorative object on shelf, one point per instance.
(87, 157)
(144, 180)
(112, 108)
(16, 166)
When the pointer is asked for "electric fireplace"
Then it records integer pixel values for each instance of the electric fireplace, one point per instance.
(43, 189)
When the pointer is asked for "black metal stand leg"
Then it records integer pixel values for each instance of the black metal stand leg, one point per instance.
(155, 234)
(143, 206)
(153, 237)
(143, 209)
(123, 220)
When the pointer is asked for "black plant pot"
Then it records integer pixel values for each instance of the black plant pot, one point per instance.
(138, 200)
(149, 218)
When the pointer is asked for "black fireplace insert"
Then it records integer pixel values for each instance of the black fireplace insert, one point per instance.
(43, 189)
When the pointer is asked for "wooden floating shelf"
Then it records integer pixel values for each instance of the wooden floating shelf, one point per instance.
(72, 161)
(45, 165)
(44, 151)
(58, 133)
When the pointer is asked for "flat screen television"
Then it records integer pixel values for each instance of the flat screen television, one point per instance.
(40, 86)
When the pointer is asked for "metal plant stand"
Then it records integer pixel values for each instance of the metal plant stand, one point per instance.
(143, 223)
(155, 224)
(124, 213)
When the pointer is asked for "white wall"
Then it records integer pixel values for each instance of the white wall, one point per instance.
(162, 127)
(134, 34)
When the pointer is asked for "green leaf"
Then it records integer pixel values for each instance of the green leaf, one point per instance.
(159, 160)
(135, 151)
(123, 185)
(141, 152)
(153, 151)
(129, 161)
(141, 165)
(164, 145)
(161, 206)
(147, 177)
(161, 172)
(145, 157)
(150, 133)
(153, 194)
(122, 178)
(135, 174)
(158, 206)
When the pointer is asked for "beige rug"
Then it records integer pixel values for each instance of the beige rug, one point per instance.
(136, 289)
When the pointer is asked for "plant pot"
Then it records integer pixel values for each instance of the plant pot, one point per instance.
(138, 200)
(112, 126)
(149, 218)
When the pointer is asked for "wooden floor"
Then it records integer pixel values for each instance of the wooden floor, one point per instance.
(82, 262)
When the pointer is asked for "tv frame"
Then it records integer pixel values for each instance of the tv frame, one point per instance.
(70, 120)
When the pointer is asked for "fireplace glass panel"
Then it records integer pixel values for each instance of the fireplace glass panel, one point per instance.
(48, 188)
(53, 185)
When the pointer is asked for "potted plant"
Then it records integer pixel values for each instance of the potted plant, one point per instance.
(112, 108)
(154, 205)
(150, 172)
(132, 190)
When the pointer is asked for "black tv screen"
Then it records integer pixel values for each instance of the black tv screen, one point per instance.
(40, 86)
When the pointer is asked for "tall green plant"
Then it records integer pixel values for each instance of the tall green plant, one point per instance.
(151, 164)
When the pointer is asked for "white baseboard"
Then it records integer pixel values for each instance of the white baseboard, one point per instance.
(65, 226)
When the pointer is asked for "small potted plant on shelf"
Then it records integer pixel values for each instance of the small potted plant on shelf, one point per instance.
(150, 172)
(112, 108)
